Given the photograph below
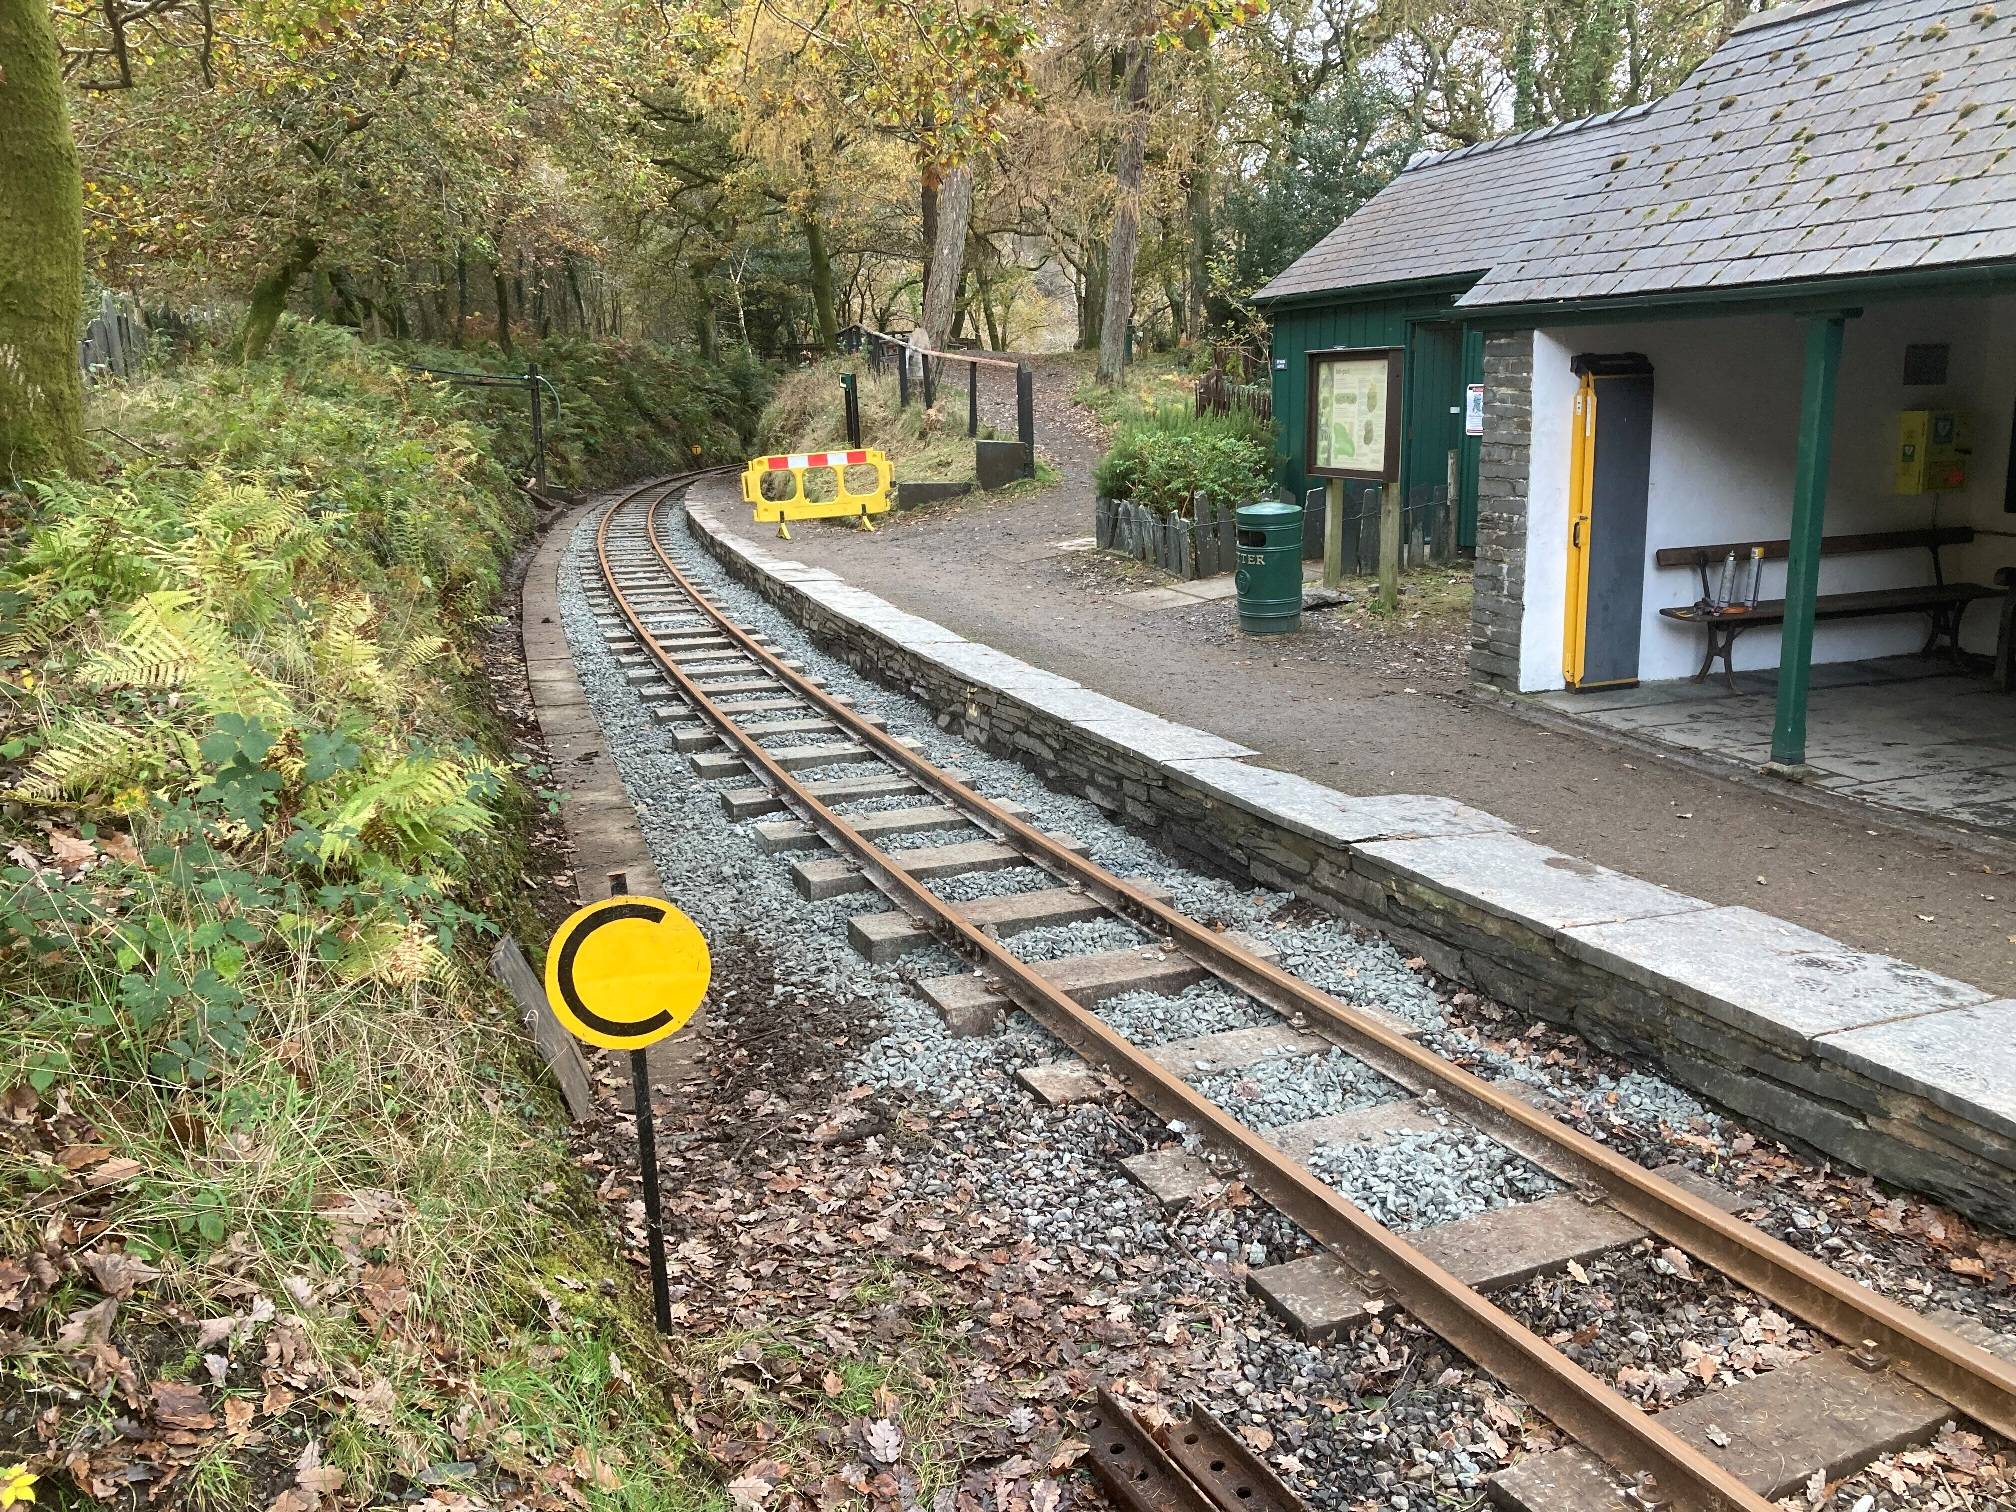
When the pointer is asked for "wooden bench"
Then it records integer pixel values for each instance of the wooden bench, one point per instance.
(1942, 601)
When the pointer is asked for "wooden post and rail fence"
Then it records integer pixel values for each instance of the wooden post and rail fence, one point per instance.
(919, 370)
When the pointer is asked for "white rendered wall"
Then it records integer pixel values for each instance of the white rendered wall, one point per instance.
(1725, 422)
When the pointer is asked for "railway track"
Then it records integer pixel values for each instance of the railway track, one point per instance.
(1890, 1363)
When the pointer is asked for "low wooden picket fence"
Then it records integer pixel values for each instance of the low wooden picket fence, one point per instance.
(1199, 544)
(114, 343)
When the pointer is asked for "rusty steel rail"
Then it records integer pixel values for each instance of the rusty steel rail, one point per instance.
(1615, 1430)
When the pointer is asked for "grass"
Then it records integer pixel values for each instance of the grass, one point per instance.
(807, 413)
(1153, 381)
(1431, 597)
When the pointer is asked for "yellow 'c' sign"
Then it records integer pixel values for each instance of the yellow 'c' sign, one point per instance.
(625, 972)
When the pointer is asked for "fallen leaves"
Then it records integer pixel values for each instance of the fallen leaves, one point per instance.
(117, 1273)
(884, 1440)
(177, 1405)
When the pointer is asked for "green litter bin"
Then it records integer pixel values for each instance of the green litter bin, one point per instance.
(1269, 580)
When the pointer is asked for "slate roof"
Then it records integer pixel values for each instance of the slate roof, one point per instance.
(1452, 213)
(1841, 137)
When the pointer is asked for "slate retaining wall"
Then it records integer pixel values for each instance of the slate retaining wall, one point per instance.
(1903, 1073)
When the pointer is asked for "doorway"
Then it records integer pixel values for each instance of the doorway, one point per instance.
(1434, 429)
(1609, 471)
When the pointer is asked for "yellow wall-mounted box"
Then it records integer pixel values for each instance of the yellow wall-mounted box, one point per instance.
(1934, 450)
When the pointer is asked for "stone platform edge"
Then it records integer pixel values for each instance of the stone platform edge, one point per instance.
(1907, 1075)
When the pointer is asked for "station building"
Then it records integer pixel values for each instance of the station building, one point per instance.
(1724, 389)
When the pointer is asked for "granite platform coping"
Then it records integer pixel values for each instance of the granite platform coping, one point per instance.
(903, 627)
(839, 596)
(1322, 813)
(1783, 983)
(1162, 740)
(1960, 1059)
(1526, 882)
(1076, 704)
(989, 668)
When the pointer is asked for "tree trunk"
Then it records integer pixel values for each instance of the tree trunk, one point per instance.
(346, 307)
(1125, 242)
(503, 291)
(574, 288)
(703, 307)
(41, 254)
(461, 295)
(941, 293)
(1091, 301)
(987, 314)
(269, 299)
(928, 206)
(822, 284)
(1196, 296)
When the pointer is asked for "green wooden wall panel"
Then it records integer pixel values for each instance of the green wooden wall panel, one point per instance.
(1378, 322)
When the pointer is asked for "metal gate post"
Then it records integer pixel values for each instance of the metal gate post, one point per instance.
(903, 379)
(1025, 416)
(851, 397)
(538, 426)
(930, 386)
(972, 399)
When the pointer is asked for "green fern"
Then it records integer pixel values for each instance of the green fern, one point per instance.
(88, 756)
(169, 640)
(385, 950)
(416, 811)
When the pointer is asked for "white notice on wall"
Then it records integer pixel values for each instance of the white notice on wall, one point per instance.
(1473, 410)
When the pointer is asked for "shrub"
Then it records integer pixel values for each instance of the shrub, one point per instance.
(1164, 458)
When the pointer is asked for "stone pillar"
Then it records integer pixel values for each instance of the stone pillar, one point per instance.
(1504, 465)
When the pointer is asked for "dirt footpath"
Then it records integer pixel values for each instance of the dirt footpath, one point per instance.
(1398, 716)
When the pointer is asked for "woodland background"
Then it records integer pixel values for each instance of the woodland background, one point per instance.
(764, 172)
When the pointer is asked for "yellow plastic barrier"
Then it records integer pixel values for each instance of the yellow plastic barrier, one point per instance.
(817, 486)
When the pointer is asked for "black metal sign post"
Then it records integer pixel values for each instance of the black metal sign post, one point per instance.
(538, 426)
(851, 398)
(626, 989)
(647, 1161)
(654, 1210)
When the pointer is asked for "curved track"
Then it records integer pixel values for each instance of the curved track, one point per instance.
(1667, 1470)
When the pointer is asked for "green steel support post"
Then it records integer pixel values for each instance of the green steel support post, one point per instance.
(1809, 522)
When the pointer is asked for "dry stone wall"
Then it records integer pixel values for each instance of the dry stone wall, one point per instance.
(1503, 467)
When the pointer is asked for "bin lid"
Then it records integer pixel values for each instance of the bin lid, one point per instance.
(1267, 511)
